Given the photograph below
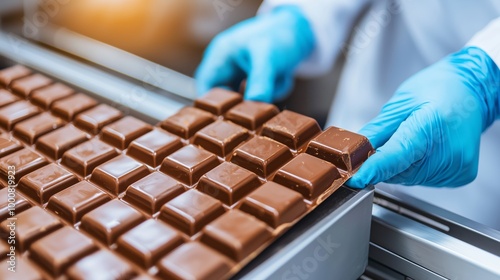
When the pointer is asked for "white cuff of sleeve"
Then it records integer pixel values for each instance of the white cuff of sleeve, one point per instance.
(488, 39)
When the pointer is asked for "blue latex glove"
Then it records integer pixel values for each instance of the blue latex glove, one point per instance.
(429, 132)
(266, 49)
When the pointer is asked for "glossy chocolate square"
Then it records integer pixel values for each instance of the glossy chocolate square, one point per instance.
(101, 265)
(124, 131)
(20, 203)
(153, 147)
(44, 97)
(228, 182)
(9, 74)
(187, 121)
(25, 161)
(261, 155)
(251, 114)
(7, 98)
(221, 137)
(67, 108)
(25, 85)
(345, 149)
(31, 129)
(93, 120)
(8, 146)
(17, 112)
(189, 164)
(55, 143)
(218, 100)
(83, 158)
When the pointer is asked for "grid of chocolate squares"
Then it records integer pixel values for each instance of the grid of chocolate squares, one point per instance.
(101, 193)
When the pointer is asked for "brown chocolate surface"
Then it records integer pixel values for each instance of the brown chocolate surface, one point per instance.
(67, 108)
(118, 173)
(194, 260)
(251, 114)
(346, 150)
(274, 204)
(19, 201)
(236, 234)
(74, 202)
(218, 100)
(55, 143)
(93, 120)
(187, 122)
(42, 183)
(189, 164)
(24, 86)
(17, 112)
(7, 98)
(148, 242)
(190, 211)
(221, 137)
(307, 175)
(291, 129)
(101, 265)
(60, 249)
(7, 75)
(24, 161)
(44, 97)
(153, 147)
(124, 131)
(83, 158)
(31, 129)
(25, 270)
(108, 221)
(8, 146)
(31, 224)
(228, 182)
(261, 155)
(152, 191)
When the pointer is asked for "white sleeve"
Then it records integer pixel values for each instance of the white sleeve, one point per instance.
(488, 39)
(331, 21)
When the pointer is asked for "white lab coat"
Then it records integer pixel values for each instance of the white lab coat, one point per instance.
(385, 42)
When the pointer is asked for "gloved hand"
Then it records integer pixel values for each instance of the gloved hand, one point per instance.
(266, 49)
(429, 132)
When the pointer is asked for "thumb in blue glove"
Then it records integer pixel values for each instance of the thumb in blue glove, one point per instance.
(429, 132)
(266, 49)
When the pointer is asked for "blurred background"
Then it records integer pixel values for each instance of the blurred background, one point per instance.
(173, 33)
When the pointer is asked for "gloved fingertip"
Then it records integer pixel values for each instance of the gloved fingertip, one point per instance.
(258, 92)
(355, 183)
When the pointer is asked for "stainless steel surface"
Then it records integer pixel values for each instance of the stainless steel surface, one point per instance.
(129, 95)
(330, 243)
(430, 248)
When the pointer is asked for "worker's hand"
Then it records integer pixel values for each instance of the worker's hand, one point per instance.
(266, 49)
(428, 133)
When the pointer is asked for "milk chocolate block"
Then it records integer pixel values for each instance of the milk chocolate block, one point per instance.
(7, 98)
(31, 225)
(261, 155)
(291, 129)
(108, 221)
(194, 260)
(24, 86)
(346, 150)
(8, 146)
(191, 211)
(235, 234)
(228, 182)
(31, 129)
(7, 75)
(4, 250)
(25, 161)
(74, 202)
(55, 143)
(307, 175)
(118, 173)
(274, 204)
(221, 137)
(218, 100)
(60, 249)
(71, 106)
(101, 265)
(124, 131)
(93, 120)
(148, 242)
(44, 97)
(189, 164)
(20, 203)
(251, 114)
(153, 147)
(83, 158)
(187, 121)
(25, 270)
(152, 191)
(42, 183)
(17, 112)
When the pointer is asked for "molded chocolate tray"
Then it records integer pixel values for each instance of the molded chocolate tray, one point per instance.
(199, 195)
